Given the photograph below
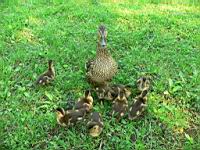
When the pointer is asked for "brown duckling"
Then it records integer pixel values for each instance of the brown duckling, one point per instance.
(124, 88)
(110, 92)
(66, 118)
(120, 104)
(143, 83)
(138, 105)
(95, 125)
(48, 75)
(85, 102)
(104, 93)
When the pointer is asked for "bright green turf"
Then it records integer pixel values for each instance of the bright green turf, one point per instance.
(146, 37)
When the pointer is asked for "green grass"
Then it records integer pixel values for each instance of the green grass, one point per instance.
(146, 37)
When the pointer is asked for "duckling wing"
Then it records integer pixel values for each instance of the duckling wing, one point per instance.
(136, 108)
(76, 115)
(43, 79)
(83, 106)
(120, 108)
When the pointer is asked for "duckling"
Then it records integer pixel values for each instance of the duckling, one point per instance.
(110, 92)
(95, 125)
(62, 119)
(66, 118)
(104, 93)
(142, 83)
(48, 75)
(101, 69)
(124, 88)
(120, 105)
(85, 102)
(138, 105)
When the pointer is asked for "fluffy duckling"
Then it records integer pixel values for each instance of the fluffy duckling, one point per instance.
(66, 118)
(85, 102)
(138, 105)
(124, 88)
(110, 92)
(143, 83)
(48, 75)
(104, 93)
(120, 104)
(95, 125)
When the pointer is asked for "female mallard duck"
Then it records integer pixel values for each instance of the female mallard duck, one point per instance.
(120, 104)
(48, 75)
(95, 125)
(138, 105)
(85, 102)
(103, 67)
(66, 118)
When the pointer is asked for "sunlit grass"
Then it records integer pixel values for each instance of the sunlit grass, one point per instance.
(145, 37)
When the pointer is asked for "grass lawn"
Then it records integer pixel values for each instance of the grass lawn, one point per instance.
(145, 37)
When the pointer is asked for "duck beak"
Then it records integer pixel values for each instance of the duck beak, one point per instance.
(103, 43)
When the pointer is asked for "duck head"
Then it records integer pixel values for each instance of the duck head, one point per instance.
(102, 34)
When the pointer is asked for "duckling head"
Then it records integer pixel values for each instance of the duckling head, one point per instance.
(88, 97)
(100, 92)
(147, 83)
(121, 96)
(60, 112)
(127, 90)
(50, 62)
(143, 83)
(51, 68)
(102, 34)
(95, 130)
(110, 95)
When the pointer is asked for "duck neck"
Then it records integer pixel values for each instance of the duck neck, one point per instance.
(102, 51)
